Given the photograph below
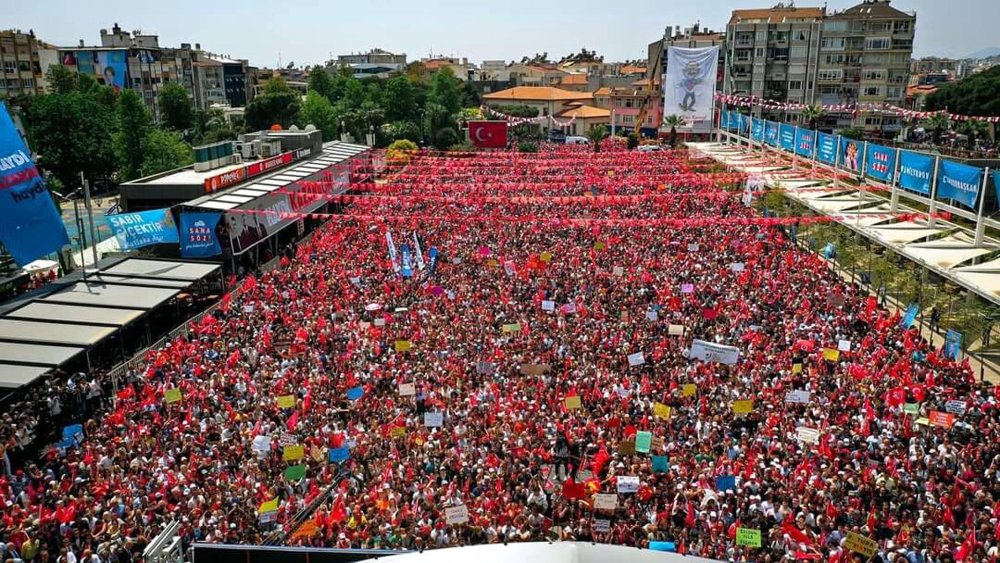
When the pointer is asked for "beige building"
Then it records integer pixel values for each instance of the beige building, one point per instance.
(21, 56)
(549, 102)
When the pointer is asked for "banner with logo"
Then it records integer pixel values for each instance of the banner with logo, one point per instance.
(30, 226)
(880, 164)
(136, 230)
(712, 352)
(744, 124)
(952, 344)
(826, 148)
(852, 154)
(198, 236)
(959, 182)
(689, 88)
(915, 171)
(757, 130)
(786, 135)
(805, 142)
(771, 133)
(393, 256)
(407, 266)
(112, 66)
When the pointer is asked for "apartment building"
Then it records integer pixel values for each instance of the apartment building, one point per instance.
(23, 61)
(773, 54)
(865, 58)
(656, 68)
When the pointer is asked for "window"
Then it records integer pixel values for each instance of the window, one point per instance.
(834, 59)
(879, 26)
(23, 66)
(798, 52)
(873, 75)
(833, 43)
(779, 54)
(873, 121)
(901, 27)
(894, 92)
(10, 66)
(29, 83)
(628, 119)
(762, 35)
(794, 84)
(835, 26)
(878, 43)
(830, 75)
(759, 52)
(872, 91)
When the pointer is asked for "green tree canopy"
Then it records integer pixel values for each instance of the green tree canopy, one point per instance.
(267, 109)
(72, 134)
(444, 90)
(61, 79)
(175, 107)
(321, 81)
(165, 150)
(978, 94)
(131, 134)
(318, 111)
(276, 85)
(400, 100)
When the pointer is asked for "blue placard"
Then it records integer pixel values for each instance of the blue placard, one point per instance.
(915, 172)
(952, 344)
(771, 133)
(959, 182)
(880, 164)
(661, 464)
(757, 129)
(725, 483)
(339, 454)
(786, 133)
(407, 269)
(30, 226)
(198, 235)
(663, 546)
(851, 154)
(355, 393)
(910, 316)
(826, 148)
(136, 230)
(74, 433)
(805, 141)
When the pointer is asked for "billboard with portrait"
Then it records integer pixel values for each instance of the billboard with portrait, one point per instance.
(689, 89)
(112, 69)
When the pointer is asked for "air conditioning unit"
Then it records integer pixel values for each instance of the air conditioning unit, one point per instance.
(270, 148)
(249, 150)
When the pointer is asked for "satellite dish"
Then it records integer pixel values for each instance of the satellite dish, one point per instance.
(310, 127)
(293, 128)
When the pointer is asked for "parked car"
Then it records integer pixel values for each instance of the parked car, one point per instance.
(576, 140)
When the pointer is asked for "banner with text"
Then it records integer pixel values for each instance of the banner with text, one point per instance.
(959, 182)
(880, 163)
(689, 88)
(915, 171)
(805, 141)
(757, 130)
(826, 148)
(786, 135)
(136, 230)
(771, 133)
(199, 236)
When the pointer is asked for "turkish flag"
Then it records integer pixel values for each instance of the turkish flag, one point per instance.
(488, 134)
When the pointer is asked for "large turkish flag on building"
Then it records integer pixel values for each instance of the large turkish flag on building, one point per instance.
(488, 134)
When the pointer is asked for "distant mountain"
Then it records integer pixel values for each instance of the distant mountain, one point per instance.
(985, 53)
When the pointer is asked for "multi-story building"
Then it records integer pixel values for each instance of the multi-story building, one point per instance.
(656, 69)
(375, 56)
(773, 54)
(21, 63)
(460, 67)
(932, 65)
(865, 57)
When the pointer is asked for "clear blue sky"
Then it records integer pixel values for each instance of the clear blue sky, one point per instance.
(308, 31)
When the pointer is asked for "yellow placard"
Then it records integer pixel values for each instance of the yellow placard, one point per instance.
(397, 431)
(286, 401)
(661, 411)
(573, 402)
(308, 529)
(689, 390)
(172, 395)
(294, 452)
(796, 368)
(403, 345)
(831, 354)
(269, 506)
(546, 256)
(861, 544)
(743, 407)
(492, 263)
(600, 245)
(512, 327)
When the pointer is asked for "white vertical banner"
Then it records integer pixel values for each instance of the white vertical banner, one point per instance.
(392, 251)
(689, 90)
(419, 253)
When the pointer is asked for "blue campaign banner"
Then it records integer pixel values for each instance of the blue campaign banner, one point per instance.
(880, 164)
(959, 182)
(725, 483)
(432, 254)
(996, 184)
(771, 133)
(852, 154)
(198, 236)
(915, 171)
(30, 227)
(826, 148)
(742, 123)
(725, 119)
(407, 270)
(910, 316)
(787, 136)
(337, 455)
(805, 141)
(757, 130)
(952, 344)
(136, 230)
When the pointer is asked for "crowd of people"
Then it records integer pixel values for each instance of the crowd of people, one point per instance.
(522, 364)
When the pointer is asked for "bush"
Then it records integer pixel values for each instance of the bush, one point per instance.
(445, 138)
(464, 146)
(527, 146)
(633, 141)
(399, 151)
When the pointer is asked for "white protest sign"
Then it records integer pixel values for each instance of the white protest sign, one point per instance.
(288, 439)
(601, 525)
(407, 389)
(618, 271)
(955, 406)
(807, 435)
(605, 501)
(262, 444)
(652, 316)
(628, 483)
(693, 247)
(433, 419)
(636, 359)
(844, 345)
(456, 515)
(548, 305)
(380, 321)
(737, 266)
(799, 396)
(711, 352)
(675, 330)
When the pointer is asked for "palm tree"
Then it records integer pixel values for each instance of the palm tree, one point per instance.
(811, 113)
(937, 124)
(974, 130)
(596, 134)
(673, 121)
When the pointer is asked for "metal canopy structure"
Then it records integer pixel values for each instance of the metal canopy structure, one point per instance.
(45, 332)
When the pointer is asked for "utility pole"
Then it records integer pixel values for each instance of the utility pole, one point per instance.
(90, 219)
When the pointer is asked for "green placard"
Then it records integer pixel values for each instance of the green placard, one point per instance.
(295, 472)
(748, 537)
(643, 441)
(911, 408)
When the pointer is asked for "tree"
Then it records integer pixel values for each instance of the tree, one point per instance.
(400, 100)
(855, 133)
(978, 94)
(165, 150)
(61, 79)
(673, 121)
(596, 134)
(445, 138)
(469, 95)
(974, 130)
(268, 109)
(276, 85)
(321, 81)
(444, 90)
(131, 138)
(71, 133)
(937, 124)
(318, 110)
(632, 141)
(811, 114)
(400, 130)
(212, 126)
(175, 107)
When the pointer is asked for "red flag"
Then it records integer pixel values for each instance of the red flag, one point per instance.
(293, 420)
(689, 519)
(339, 512)
(967, 547)
(793, 532)
(488, 134)
(573, 490)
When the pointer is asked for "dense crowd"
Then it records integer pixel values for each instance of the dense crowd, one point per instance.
(519, 333)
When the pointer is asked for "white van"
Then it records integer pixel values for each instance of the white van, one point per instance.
(649, 148)
(573, 140)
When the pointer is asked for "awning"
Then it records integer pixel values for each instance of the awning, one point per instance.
(14, 376)
(39, 354)
(53, 333)
(906, 232)
(74, 314)
(103, 295)
(162, 269)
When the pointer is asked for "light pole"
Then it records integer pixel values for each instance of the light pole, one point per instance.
(80, 237)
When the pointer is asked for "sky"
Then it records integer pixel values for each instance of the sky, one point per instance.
(308, 32)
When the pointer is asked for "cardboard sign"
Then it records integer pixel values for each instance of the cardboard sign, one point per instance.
(748, 537)
(689, 390)
(397, 431)
(955, 406)
(535, 369)
(286, 401)
(485, 368)
(661, 411)
(798, 396)
(568, 308)
(433, 419)
(743, 407)
(293, 453)
(657, 443)
(605, 501)
(942, 419)
(545, 257)
(807, 435)
(643, 441)
(661, 464)
(407, 389)
(268, 506)
(675, 330)
(548, 305)
(172, 395)
(601, 525)
(911, 408)
(456, 515)
(317, 453)
(796, 368)
(573, 402)
(287, 439)
(693, 247)
(636, 359)
(513, 327)
(295, 472)
(628, 484)
(403, 345)
(861, 544)
(652, 316)
(626, 447)
(844, 345)
(831, 354)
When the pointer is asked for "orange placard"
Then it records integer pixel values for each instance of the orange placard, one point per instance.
(942, 419)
